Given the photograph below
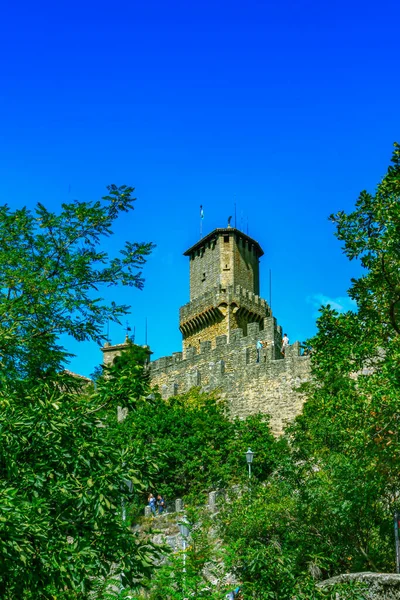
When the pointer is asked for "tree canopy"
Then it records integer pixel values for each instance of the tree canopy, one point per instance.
(52, 271)
(65, 463)
(328, 507)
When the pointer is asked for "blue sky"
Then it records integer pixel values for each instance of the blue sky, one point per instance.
(289, 107)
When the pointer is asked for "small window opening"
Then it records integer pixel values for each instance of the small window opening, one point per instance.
(226, 239)
(204, 277)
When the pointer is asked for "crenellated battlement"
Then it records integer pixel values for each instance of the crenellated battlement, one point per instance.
(236, 342)
(250, 381)
(223, 296)
(220, 328)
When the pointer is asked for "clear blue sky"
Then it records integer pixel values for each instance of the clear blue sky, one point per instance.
(292, 107)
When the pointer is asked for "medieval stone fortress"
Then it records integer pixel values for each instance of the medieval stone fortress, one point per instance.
(221, 325)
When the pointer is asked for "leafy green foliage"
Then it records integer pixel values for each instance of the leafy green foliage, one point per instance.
(198, 447)
(328, 507)
(52, 271)
(65, 460)
(63, 472)
(274, 549)
(187, 572)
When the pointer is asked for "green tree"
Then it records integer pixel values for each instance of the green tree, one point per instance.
(51, 275)
(328, 507)
(348, 433)
(198, 447)
(64, 459)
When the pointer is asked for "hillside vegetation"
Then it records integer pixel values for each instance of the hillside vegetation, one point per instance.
(322, 497)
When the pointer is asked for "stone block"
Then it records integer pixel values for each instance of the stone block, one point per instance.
(122, 413)
(235, 335)
(220, 340)
(253, 329)
(147, 511)
(212, 501)
(205, 347)
(172, 541)
(219, 367)
(173, 389)
(269, 328)
(193, 379)
(178, 505)
(247, 356)
(190, 353)
(177, 356)
(377, 586)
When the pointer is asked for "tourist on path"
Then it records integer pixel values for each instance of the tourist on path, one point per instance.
(160, 504)
(152, 503)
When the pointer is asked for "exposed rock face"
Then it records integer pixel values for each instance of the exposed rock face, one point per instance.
(378, 586)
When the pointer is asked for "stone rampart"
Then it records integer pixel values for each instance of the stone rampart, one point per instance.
(250, 386)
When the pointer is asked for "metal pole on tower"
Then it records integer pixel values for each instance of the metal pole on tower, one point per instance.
(201, 220)
(270, 289)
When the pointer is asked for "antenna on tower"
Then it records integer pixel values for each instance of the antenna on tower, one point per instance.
(234, 203)
(270, 289)
(201, 220)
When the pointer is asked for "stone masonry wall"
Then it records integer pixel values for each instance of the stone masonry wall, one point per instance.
(227, 258)
(249, 387)
(204, 269)
(218, 312)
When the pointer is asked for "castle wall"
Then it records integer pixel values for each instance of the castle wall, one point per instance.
(249, 387)
(204, 269)
(229, 258)
(245, 264)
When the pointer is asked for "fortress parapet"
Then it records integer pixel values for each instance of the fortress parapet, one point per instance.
(268, 386)
(221, 325)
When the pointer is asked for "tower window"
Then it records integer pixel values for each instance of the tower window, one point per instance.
(226, 239)
(204, 277)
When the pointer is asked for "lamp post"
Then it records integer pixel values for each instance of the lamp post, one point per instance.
(396, 538)
(184, 531)
(249, 459)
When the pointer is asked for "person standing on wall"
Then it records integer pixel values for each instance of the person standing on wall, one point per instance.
(259, 345)
(285, 343)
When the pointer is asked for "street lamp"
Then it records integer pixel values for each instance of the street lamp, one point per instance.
(249, 459)
(184, 531)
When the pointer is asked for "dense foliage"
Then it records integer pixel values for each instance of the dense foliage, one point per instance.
(328, 507)
(64, 459)
(52, 271)
(198, 447)
(322, 498)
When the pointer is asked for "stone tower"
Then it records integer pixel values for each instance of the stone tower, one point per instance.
(221, 326)
(224, 287)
